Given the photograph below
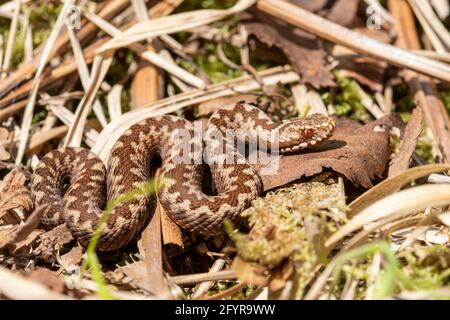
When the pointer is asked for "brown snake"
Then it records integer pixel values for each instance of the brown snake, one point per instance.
(237, 183)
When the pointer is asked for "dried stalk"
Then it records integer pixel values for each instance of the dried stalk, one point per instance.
(202, 277)
(11, 36)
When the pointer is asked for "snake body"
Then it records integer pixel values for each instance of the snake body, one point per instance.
(91, 186)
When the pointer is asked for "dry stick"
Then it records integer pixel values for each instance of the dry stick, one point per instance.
(228, 292)
(203, 287)
(434, 21)
(355, 41)
(83, 72)
(12, 109)
(202, 277)
(28, 45)
(67, 117)
(422, 87)
(27, 117)
(99, 69)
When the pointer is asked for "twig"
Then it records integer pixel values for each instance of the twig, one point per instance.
(203, 287)
(202, 277)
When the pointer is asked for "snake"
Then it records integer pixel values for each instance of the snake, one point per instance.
(74, 186)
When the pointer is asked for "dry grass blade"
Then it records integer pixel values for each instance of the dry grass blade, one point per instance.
(171, 24)
(67, 117)
(83, 71)
(392, 185)
(28, 114)
(202, 277)
(395, 206)
(11, 36)
(99, 70)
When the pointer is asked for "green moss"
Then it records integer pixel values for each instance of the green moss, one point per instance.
(189, 5)
(445, 96)
(42, 19)
(210, 63)
(347, 100)
(292, 224)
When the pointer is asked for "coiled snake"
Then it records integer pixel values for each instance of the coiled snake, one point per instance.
(91, 186)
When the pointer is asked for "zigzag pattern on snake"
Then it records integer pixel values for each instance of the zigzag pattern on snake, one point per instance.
(91, 185)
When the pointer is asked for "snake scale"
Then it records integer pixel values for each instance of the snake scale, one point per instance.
(74, 185)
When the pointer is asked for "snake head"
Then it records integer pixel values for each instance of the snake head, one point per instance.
(301, 133)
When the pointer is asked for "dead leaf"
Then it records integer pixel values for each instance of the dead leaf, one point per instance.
(408, 145)
(354, 150)
(304, 50)
(14, 196)
(22, 235)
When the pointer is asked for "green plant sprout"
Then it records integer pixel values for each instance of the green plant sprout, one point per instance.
(389, 277)
(92, 260)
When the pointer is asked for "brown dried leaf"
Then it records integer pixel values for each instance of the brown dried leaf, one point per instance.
(22, 235)
(408, 145)
(14, 195)
(304, 50)
(356, 151)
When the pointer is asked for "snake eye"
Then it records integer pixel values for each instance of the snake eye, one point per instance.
(308, 133)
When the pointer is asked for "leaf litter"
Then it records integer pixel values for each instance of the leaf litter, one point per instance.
(326, 221)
